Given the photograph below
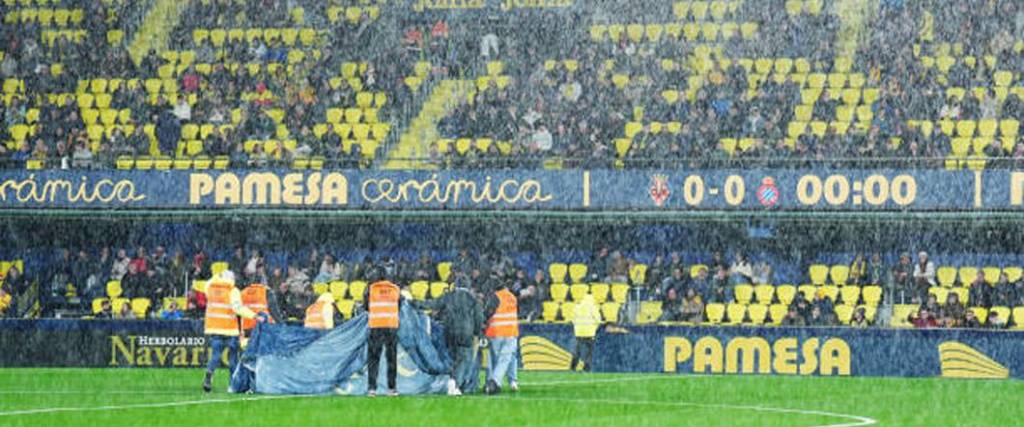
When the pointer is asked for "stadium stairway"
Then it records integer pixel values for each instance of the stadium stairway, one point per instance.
(415, 141)
(156, 28)
(853, 14)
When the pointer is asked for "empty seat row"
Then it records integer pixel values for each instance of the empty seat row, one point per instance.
(700, 10)
(565, 311)
(988, 128)
(708, 31)
(45, 16)
(601, 292)
(288, 36)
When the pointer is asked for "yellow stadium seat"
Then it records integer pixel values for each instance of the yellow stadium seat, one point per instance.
(577, 272)
(987, 127)
(114, 289)
(1018, 318)
(851, 96)
(940, 293)
(981, 313)
(837, 80)
(830, 291)
(1009, 127)
(346, 307)
(777, 312)
(839, 273)
(967, 275)
(140, 306)
(764, 294)
(620, 292)
(650, 311)
(357, 290)
(610, 312)
(97, 305)
(117, 303)
(559, 291)
(419, 289)
(437, 289)
(1013, 274)
(965, 128)
(568, 310)
(444, 270)
(681, 9)
(757, 313)
(818, 273)
(803, 113)
(338, 290)
(844, 313)
(796, 129)
(320, 288)
(550, 311)
(786, 293)
(872, 295)
(715, 312)
(744, 293)
(850, 294)
(557, 271)
(991, 274)
(600, 292)
(578, 291)
(736, 312)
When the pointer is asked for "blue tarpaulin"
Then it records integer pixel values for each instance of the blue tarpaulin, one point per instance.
(284, 359)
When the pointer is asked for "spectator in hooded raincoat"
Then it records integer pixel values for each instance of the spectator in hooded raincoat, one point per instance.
(585, 323)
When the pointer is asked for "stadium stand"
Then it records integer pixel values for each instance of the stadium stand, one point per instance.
(305, 84)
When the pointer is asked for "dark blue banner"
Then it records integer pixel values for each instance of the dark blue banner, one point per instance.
(681, 349)
(681, 190)
(786, 351)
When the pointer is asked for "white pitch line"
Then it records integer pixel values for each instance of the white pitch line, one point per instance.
(73, 392)
(856, 420)
(146, 405)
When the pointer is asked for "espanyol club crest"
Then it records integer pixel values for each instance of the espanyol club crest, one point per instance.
(768, 193)
(660, 190)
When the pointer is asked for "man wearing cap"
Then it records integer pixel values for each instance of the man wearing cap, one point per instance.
(223, 307)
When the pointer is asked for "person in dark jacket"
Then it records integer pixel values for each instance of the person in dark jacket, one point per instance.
(463, 318)
(168, 132)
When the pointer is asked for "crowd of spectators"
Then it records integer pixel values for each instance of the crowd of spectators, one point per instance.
(545, 109)
(75, 278)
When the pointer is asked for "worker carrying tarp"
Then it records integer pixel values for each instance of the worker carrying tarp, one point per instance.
(284, 359)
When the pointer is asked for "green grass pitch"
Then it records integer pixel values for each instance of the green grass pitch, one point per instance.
(153, 397)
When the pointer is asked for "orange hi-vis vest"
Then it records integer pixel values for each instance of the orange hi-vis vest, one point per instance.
(505, 321)
(315, 316)
(220, 317)
(255, 298)
(384, 305)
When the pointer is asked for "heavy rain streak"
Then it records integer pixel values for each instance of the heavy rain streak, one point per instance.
(511, 212)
